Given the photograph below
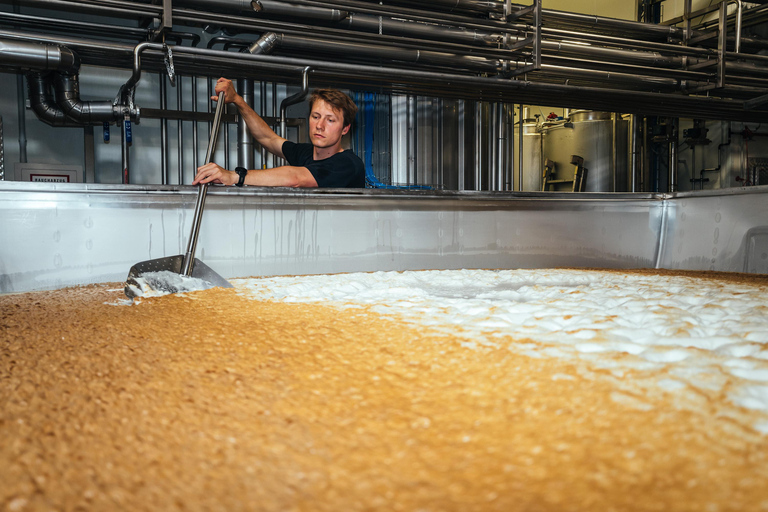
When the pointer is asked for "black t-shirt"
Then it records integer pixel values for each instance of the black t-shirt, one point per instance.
(342, 170)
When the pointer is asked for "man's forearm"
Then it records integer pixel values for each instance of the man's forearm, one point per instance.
(285, 176)
(259, 129)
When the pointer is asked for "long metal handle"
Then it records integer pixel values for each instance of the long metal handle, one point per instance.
(202, 190)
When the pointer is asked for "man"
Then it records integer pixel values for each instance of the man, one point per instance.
(323, 163)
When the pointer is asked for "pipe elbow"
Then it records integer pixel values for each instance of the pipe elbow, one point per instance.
(69, 61)
(88, 112)
(42, 103)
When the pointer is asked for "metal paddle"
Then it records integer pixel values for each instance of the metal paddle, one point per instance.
(166, 275)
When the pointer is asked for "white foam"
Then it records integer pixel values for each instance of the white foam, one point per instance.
(705, 334)
(165, 282)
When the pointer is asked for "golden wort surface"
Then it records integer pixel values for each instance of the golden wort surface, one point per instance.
(213, 401)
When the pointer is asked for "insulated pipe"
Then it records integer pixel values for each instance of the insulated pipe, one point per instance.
(244, 139)
(111, 8)
(390, 26)
(293, 99)
(390, 53)
(89, 112)
(593, 98)
(550, 17)
(271, 7)
(478, 6)
(519, 29)
(245, 156)
(66, 64)
(611, 55)
(82, 27)
(229, 6)
(40, 57)
(42, 103)
(651, 60)
(607, 76)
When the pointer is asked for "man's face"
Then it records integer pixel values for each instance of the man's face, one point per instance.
(326, 125)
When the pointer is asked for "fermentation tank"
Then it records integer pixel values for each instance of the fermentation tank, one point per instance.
(532, 162)
(590, 135)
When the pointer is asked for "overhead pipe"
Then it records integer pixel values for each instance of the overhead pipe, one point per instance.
(63, 65)
(293, 99)
(550, 17)
(566, 34)
(229, 6)
(468, 86)
(279, 8)
(389, 53)
(115, 8)
(38, 57)
(430, 32)
(243, 5)
(288, 66)
(265, 7)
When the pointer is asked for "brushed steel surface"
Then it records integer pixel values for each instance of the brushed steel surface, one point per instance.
(57, 235)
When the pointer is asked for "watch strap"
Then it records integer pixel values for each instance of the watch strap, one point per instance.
(241, 173)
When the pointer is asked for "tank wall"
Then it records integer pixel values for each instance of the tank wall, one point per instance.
(63, 235)
(58, 235)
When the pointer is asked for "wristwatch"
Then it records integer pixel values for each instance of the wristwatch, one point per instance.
(242, 172)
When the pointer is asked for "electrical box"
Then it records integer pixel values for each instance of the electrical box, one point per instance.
(48, 173)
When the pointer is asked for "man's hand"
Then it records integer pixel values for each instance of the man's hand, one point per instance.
(212, 173)
(226, 85)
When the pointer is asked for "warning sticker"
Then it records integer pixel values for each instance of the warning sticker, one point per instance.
(49, 178)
